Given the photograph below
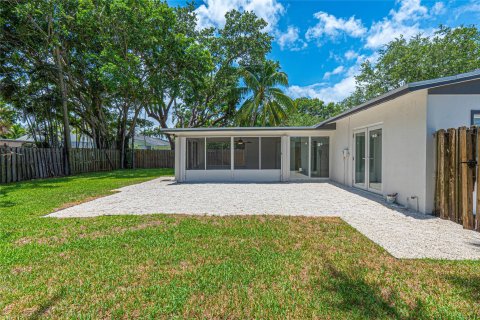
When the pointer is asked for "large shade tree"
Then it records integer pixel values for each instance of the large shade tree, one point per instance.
(98, 67)
(265, 103)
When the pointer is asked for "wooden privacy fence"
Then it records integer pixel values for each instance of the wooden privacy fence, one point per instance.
(92, 160)
(456, 175)
(147, 159)
(19, 164)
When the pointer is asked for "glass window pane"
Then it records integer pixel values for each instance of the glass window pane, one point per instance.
(218, 154)
(375, 159)
(320, 157)
(475, 118)
(246, 155)
(195, 154)
(299, 156)
(271, 153)
(360, 158)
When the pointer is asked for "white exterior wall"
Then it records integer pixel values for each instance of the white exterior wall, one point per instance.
(403, 123)
(179, 159)
(443, 112)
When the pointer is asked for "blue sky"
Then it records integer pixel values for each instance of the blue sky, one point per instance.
(321, 43)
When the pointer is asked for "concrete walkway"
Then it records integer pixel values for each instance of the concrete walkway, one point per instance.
(402, 233)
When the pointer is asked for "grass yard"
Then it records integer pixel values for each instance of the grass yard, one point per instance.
(206, 267)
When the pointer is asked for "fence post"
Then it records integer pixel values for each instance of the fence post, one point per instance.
(2, 174)
(462, 143)
(466, 181)
(470, 176)
(441, 172)
(477, 156)
(452, 175)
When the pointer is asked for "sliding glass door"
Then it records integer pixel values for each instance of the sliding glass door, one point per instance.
(375, 159)
(359, 158)
(309, 157)
(299, 157)
(319, 156)
(367, 161)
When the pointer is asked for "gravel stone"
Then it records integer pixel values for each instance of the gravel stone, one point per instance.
(403, 233)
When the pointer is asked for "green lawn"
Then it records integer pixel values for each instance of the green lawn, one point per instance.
(206, 267)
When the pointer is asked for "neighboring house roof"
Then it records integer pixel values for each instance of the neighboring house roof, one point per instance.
(28, 138)
(83, 142)
(73, 137)
(150, 141)
(13, 140)
(410, 87)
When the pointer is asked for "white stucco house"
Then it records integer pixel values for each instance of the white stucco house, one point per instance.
(385, 145)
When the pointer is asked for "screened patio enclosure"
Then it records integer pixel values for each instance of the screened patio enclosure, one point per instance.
(251, 155)
(233, 158)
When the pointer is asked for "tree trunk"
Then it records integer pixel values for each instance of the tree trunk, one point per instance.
(67, 143)
(172, 142)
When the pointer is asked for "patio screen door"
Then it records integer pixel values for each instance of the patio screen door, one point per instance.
(367, 160)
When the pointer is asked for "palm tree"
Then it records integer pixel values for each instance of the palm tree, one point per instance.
(266, 104)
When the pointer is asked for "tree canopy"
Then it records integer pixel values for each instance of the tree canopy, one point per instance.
(99, 67)
(446, 53)
(309, 112)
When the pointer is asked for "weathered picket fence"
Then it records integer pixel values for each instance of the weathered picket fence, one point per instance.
(457, 172)
(19, 164)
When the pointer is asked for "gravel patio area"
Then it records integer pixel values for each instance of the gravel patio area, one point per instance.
(402, 233)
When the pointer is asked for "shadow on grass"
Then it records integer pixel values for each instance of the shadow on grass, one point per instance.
(351, 293)
(357, 296)
(7, 203)
(43, 309)
(129, 173)
(30, 184)
(468, 285)
(117, 174)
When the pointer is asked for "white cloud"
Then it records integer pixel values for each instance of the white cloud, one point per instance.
(334, 93)
(473, 7)
(332, 27)
(350, 55)
(337, 70)
(404, 21)
(291, 39)
(212, 12)
(438, 9)
(385, 31)
(410, 10)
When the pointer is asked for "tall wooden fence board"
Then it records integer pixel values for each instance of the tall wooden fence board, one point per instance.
(146, 159)
(20, 164)
(92, 160)
(457, 170)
